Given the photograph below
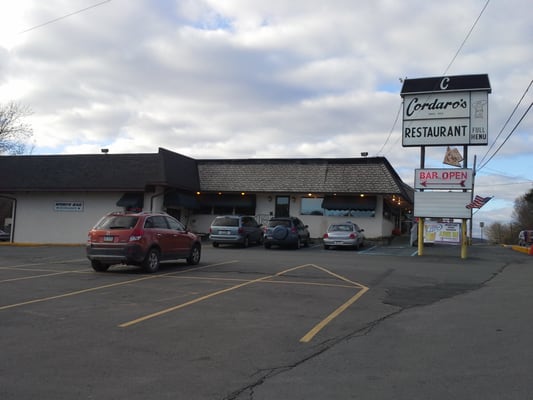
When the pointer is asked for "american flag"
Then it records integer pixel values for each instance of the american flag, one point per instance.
(478, 202)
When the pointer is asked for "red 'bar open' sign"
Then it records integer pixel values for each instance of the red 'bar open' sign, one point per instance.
(444, 178)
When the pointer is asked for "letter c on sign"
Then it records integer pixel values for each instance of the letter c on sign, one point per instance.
(444, 83)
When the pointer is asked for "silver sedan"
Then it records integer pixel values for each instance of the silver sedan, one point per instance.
(344, 235)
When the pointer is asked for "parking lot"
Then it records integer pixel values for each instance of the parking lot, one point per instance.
(263, 324)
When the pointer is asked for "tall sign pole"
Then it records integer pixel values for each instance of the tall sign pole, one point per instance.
(444, 111)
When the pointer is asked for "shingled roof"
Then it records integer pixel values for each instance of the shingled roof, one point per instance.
(136, 172)
(372, 175)
(97, 172)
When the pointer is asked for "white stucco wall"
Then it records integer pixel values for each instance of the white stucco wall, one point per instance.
(374, 226)
(38, 221)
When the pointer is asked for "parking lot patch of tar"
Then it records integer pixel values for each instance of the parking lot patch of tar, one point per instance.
(424, 295)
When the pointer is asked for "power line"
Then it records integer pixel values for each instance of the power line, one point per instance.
(445, 71)
(466, 38)
(64, 16)
(506, 122)
(392, 129)
(508, 136)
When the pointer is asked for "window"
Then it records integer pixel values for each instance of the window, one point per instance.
(350, 206)
(311, 206)
(175, 225)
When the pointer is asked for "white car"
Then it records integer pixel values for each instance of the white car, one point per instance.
(4, 236)
(525, 238)
(345, 234)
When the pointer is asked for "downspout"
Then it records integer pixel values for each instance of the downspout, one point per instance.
(153, 197)
(13, 217)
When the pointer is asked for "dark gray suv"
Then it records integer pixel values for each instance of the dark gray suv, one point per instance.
(286, 231)
(235, 229)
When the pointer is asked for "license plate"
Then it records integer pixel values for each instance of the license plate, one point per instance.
(108, 238)
(224, 232)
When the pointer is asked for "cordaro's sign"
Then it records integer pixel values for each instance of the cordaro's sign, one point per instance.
(445, 111)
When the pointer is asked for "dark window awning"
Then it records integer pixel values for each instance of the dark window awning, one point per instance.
(131, 200)
(178, 200)
(365, 203)
(227, 200)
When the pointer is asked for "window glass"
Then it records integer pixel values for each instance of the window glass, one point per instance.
(311, 206)
(350, 213)
(159, 222)
(221, 210)
(175, 225)
(226, 221)
(244, 210)
(117, 222)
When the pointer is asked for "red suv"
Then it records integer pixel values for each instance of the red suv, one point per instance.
(143, 239)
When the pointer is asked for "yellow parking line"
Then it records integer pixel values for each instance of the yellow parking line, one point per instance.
(280, 282)
(36, 276)
(78, 292)
(322, 324)
(208, 296)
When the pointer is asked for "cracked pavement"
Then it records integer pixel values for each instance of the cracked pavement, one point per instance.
(430, 327)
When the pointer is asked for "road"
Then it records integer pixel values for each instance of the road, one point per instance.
(269, 324)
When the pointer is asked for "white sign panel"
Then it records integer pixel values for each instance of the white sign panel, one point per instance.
(445, 118)
(444, 178)
(442, 204)
(439, 132)
(436, 106)
(71, 206)
(479, 118)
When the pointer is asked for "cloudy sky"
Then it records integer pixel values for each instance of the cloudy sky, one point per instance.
(267, 79)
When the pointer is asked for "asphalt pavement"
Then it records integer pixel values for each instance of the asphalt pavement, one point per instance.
(379, 323)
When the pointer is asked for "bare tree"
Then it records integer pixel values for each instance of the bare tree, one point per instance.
(13, 129)
(523, 210)
(522, 219)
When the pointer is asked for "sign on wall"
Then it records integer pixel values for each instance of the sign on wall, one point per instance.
(68, 206)
(444, 111)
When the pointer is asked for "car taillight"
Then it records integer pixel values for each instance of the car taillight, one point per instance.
(294, 230)
(210, 230)
(353, 235)
(137, 234)
(240, 231)
(326, 235)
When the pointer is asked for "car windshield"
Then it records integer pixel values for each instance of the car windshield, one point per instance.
(226, 221)
(274, 223)
(117, 222)
(340, 228)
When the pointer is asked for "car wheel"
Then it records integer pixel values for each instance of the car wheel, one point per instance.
(246, 242)
(194, 257)
(267, 245)
(326, 247)
(151, 261)
(298, 243)
(306, 242)
(98, 266)
(215, 244)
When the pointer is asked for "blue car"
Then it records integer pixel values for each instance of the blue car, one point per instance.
(286, 231)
